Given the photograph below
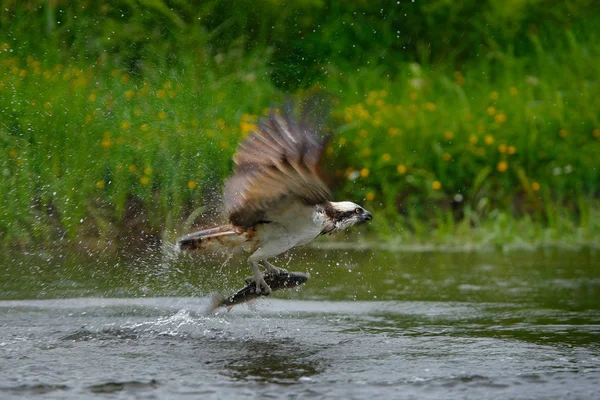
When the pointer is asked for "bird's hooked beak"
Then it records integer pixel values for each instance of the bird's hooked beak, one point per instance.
(366, 216)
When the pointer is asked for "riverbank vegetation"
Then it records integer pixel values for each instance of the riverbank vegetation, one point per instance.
(118, 119)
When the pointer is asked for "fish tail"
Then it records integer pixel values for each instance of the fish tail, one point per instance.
(222, 235)
(216, 301)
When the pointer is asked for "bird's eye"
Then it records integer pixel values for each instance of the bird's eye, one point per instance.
(358, 211)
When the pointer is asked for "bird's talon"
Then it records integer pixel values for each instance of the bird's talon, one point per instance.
(262, 287)
(271, 269)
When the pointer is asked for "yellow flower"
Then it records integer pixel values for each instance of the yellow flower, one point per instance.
(494, 96)
(460, 79)
(224, 144)
(342, 141)
(563, 133)
(366, 152)
(130, 94)
(380, 103)
(446, 156)
(161, 115)
(363, 133)
(364, 172)
(160, 94)
(144, 127)
(106, 143)
(23, 73)
(132, 168)
(247, 127)
(167, 85)
(114, 73)
(383, 93)
(329, 150)
(514, 91)
(430, 106)
(535, 186)
(13, 153)
(436, 185)
(220, 123)
(386, 157)
(502, 166)
(92, 97)
(500, 118)
(137, 111)
(247, 123)
(125, 125)
(491, 110)
(148, 171)
(125, 78)
(100, 185)
(489, 140)
(370, 196)
(394, 131)
(448, 135)
(596, 133)
(191, 185)
(413, 95)
(473, 139)
(502, 148)
(144, 180)
(511, 150)
(401, 169)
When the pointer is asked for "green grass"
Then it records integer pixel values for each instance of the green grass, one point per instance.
(515, 135)
(81, 145)
(111, 143)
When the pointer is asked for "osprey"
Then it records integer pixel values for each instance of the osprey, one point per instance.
(276, 200)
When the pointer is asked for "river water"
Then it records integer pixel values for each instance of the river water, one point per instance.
(369, 323)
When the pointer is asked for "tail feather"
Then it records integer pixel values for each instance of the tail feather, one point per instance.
(221, 235)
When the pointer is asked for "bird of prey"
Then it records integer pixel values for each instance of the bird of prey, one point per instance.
(276, 199)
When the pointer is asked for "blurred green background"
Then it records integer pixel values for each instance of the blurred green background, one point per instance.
(454, 121)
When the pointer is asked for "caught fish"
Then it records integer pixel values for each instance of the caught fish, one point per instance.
(281, 280)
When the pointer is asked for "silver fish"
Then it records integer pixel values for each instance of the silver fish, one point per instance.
(277, 281)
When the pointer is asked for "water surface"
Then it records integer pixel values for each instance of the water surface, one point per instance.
(367, 323)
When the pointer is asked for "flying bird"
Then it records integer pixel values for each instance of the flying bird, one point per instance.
(276, 199)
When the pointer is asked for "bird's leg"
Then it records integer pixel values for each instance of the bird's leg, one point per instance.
(273, 269)
(259, 279)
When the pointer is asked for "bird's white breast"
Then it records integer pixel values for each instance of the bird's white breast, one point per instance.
(291, 226)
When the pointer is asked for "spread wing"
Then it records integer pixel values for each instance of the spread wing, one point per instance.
(275, 164)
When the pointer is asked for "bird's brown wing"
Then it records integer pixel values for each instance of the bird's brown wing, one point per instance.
(276, 163)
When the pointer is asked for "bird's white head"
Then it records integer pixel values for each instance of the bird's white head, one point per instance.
(345, 214)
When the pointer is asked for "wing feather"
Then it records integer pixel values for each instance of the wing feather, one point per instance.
(275, 164)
